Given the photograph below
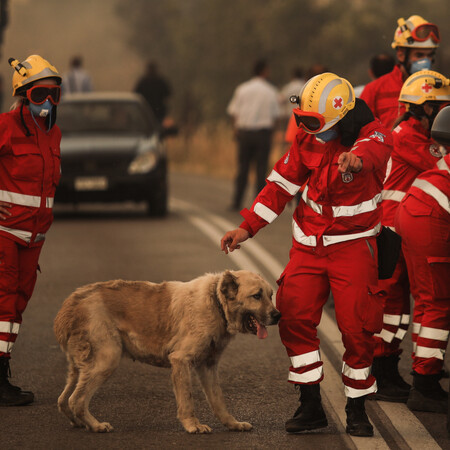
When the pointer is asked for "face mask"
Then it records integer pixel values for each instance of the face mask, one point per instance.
(420, 64)
(41, 110)
(327, 136)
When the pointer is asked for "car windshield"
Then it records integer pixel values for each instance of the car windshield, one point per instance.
(110, 117)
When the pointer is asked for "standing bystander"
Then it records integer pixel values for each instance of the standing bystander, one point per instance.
(254, 109)
(76, 79)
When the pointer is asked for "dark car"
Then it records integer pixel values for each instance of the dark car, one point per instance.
(111, 150)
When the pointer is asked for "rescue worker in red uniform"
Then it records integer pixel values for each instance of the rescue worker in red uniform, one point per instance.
(423, 94)
(415, 43)
(423, 221)
(29, 173)
(342, 151)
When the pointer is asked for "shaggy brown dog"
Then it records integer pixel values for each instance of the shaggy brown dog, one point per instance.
(171, 324)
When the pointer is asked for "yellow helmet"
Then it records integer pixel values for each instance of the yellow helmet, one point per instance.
(425, 86)
(416, 32)
(32, 69)
(323, 101)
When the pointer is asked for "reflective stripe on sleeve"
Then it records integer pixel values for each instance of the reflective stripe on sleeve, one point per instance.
(307, 377)
(306, 359)
(434, 333)
(395, 196)
(415, 327)
(442, 165)
(289, 187)
(434, 192)
(355, 374)
(25, 200)
(264, 212)
(9, 327)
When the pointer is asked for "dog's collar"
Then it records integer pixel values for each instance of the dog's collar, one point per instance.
(219, 305)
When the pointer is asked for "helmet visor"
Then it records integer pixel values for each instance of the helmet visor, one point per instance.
(427, 30)
(312, 122)
(39, 94)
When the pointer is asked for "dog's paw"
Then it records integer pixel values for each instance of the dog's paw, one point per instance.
(196, 427)
(240, 426)
(103, 427)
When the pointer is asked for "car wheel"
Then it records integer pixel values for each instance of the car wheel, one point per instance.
(157, 203)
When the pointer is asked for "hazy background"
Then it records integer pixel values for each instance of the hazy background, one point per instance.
(206, 47)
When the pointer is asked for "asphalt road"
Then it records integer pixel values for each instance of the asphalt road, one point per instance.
(94, 244)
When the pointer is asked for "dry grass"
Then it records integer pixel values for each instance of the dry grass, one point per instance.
(211, 150)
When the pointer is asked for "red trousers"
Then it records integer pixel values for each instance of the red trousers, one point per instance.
(18, 273)
(349, 270)
(426, 246)
(396, 311)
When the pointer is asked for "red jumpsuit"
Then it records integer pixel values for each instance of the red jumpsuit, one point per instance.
(414, 152)
(381, 95)
(334, 248)
(423, 221)
(29, 173)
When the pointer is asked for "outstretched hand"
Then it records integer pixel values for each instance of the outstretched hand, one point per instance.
(232, 239)
(349, 162)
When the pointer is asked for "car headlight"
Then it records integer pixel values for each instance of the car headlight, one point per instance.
(143, 163)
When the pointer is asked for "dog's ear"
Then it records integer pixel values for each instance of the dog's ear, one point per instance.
(229, 285)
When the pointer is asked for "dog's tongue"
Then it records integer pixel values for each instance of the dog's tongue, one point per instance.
(262, 331)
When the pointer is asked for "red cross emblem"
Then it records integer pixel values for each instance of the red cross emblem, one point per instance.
(337, 102)
(426, 88)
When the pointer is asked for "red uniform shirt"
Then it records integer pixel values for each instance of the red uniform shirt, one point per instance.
(29, 174)
(381, 95)
(335, 207)
(414, 152)
(432, 188)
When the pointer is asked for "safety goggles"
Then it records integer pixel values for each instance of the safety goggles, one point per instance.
(428, 30)
(312, 122)
(39, 94)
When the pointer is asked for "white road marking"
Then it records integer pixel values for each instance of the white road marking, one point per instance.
(404, 421)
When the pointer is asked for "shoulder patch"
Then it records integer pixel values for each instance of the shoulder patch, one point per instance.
(378, 135)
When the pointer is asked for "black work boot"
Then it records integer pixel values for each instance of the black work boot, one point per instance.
(391, 386)
(427, 394)
(11, 395)
(358, 423)
(310, 415)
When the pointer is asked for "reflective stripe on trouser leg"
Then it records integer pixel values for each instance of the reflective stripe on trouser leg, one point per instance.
(301, 311)
(396, 310)
(359, 311)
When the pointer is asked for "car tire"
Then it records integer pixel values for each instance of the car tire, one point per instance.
(157, 203)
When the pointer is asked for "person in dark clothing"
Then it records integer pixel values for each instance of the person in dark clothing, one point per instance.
(155, 89)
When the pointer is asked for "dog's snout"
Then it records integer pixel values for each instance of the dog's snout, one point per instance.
(276, 316)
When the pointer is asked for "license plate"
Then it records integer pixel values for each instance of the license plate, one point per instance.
(91, 184)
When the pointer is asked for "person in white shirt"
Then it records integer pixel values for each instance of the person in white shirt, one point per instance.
(293, 87)
(254, 109)
(77, 79)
